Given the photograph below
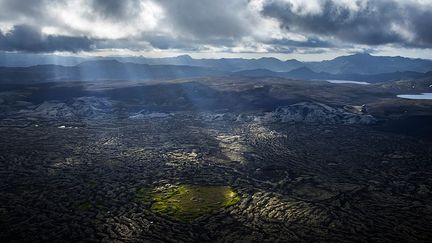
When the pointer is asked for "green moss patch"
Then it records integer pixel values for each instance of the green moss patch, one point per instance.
(187, 202)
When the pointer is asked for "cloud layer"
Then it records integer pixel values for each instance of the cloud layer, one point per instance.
(360, 22)
(263, 26)
(30, 39)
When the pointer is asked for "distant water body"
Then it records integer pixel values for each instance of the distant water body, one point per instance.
(423, 96)
(347, 82)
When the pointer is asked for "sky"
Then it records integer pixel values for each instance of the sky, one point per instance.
(301, 29)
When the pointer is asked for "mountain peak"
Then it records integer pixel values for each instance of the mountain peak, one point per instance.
(362, 54)
(302, 70)
(292, 61)
(184, 57)
(269, 58)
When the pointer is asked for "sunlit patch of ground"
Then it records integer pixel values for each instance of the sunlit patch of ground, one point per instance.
(187, 202)
(67, 162)
(232, 147)
(182, 156)
(110, 141)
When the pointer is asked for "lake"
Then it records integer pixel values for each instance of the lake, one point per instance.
(423, 96)
(347, 82)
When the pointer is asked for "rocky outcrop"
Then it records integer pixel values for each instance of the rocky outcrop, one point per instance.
(81, 107)
(314, 112)
(90, 106)
(148, 115)
(304, 112)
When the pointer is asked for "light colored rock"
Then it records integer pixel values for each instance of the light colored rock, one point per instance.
(314, 112)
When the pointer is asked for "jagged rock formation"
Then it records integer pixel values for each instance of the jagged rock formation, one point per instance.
(304, 112)
(314, 112)
(81, 107)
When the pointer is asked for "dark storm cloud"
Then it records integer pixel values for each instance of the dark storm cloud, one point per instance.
(311, 42)
(421, 23)
(116, 9)
(30, 39)
(206, 19)
(194, 25)
(378, 22)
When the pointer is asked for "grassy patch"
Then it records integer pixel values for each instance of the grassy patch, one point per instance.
(187, 202)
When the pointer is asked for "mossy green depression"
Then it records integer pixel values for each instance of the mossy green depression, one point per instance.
(187, 202)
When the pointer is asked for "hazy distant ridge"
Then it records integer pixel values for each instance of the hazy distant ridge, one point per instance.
(354, 64)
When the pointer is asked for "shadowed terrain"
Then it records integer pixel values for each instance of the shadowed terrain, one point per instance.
(303, 161)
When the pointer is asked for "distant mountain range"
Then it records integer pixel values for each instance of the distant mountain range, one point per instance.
(358, 67)
(102, 70)
(115, 70)
(364, 64)
(304, 73)
(368, 64)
